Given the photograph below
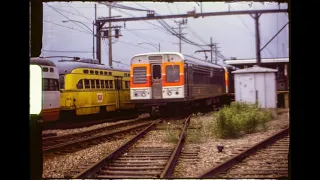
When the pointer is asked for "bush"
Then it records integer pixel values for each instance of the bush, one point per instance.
(239, 117)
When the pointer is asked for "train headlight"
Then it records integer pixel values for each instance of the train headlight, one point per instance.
(169, 93)
(143, 94)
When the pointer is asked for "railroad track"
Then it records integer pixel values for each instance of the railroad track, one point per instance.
(266, 159)
(71, 142)
(82, 123)
(130, 161)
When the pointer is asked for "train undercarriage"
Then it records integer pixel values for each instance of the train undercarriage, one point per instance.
(161, 108)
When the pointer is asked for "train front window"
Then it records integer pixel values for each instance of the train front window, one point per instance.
(50, 84)
(156, 71)
(172, 73)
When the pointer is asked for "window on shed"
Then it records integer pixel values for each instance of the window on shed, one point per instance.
(51, 70)
(96, 72)
(172, 73)
(98, 83)
(110, 73)
(106, 73)
(101, 73)
(80, 84)
(91, 72)
(85, 71)
(87, 83)
(45, 69)
(93, 85)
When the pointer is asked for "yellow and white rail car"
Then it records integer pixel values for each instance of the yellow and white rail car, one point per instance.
(50, 90)
(93, 88)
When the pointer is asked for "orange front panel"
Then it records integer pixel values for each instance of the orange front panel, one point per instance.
(147, 84)
(148, 70)
(50, 114)
(181, 72)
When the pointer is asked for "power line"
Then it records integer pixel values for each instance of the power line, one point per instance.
(66, 51)
(79, 12)
(73, 14)
(65, 16)
(66, 26)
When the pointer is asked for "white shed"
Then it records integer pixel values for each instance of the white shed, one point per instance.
(257, 84)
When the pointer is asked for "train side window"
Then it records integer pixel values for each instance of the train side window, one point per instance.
(107, 83)
(45, 69)
(101, 73)
(96, 72)
(91, 72)
(61, 80)
(45, 85)
(56, 84)
(51, 85)
(118, 84)
(111, 84)
(172, 73)
(102, 84)
(85, 71)
(80, 84)
(51, 70)
(105, 73)
(93, 85)
(87, 83)
(127, 84)
(98, 83)
(156, 71)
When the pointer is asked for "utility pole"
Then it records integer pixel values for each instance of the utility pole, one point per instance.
(180, 32)
(110, 37)
(258, 54)
(93, 24)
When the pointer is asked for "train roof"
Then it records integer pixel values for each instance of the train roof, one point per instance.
(186, 58)
(67, 66)
(254, 61)
(41, 61)
(193, 60)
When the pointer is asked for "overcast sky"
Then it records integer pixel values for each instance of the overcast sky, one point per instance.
(234, 34)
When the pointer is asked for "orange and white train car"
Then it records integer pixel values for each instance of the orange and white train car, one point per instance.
(170, 80)
(50, 89)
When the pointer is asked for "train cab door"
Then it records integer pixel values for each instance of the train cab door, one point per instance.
(156, 73)
(119, 92)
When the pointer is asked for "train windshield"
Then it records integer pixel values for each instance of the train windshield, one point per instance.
(50, 84)
(173, 73)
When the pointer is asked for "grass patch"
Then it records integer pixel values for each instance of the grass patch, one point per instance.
(240, 118)
(172, 135)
